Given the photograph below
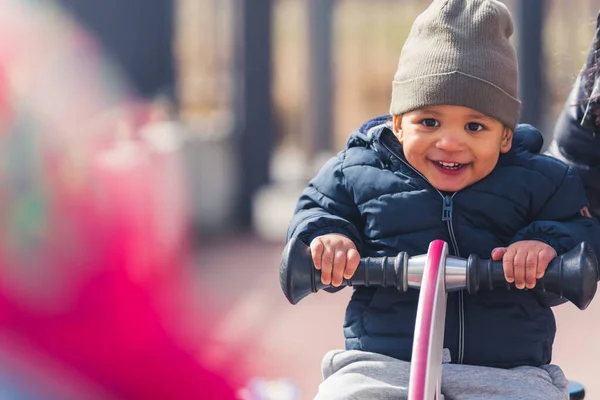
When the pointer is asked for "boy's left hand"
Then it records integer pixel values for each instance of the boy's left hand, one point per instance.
(524, 262)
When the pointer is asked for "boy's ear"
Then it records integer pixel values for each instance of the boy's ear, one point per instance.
(397, 119)
(506, 143)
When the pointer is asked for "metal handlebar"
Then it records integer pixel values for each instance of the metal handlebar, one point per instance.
(573, 275)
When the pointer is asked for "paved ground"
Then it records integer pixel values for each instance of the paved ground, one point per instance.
(289, 341)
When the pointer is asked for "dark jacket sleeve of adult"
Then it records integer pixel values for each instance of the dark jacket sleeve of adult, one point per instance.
(576, 138)
(563, 222)
(326, 206)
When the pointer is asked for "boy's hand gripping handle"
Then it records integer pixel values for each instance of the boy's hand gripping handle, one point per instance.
(573, 275)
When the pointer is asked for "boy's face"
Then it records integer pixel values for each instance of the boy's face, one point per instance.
(452, 146)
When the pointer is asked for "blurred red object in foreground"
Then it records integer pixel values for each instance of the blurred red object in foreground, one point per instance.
(94, 295)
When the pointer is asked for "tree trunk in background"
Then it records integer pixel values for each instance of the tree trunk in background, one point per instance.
(137, 34)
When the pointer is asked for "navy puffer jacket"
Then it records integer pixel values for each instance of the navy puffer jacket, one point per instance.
(373, 196)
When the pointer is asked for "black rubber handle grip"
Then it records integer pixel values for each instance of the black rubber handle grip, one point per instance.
(299, 277)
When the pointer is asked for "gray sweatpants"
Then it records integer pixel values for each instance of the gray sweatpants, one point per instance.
(357, 374)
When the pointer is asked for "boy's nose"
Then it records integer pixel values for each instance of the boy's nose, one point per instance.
(449, 141)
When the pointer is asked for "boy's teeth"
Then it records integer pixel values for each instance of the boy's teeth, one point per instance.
(449, 165)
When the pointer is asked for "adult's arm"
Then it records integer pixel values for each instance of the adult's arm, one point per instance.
(576, 139)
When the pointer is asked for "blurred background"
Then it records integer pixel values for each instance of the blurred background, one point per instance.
(151, 154)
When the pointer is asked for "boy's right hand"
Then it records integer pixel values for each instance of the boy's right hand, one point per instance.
(336, 256)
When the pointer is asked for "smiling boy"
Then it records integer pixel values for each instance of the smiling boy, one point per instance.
(447, 166)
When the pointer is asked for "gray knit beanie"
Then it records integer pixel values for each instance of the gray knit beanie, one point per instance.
(458, 53)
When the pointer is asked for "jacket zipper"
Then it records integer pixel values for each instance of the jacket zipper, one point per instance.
(447, 218)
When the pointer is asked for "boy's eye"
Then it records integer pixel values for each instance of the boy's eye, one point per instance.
(474, 127)
(430, 123)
